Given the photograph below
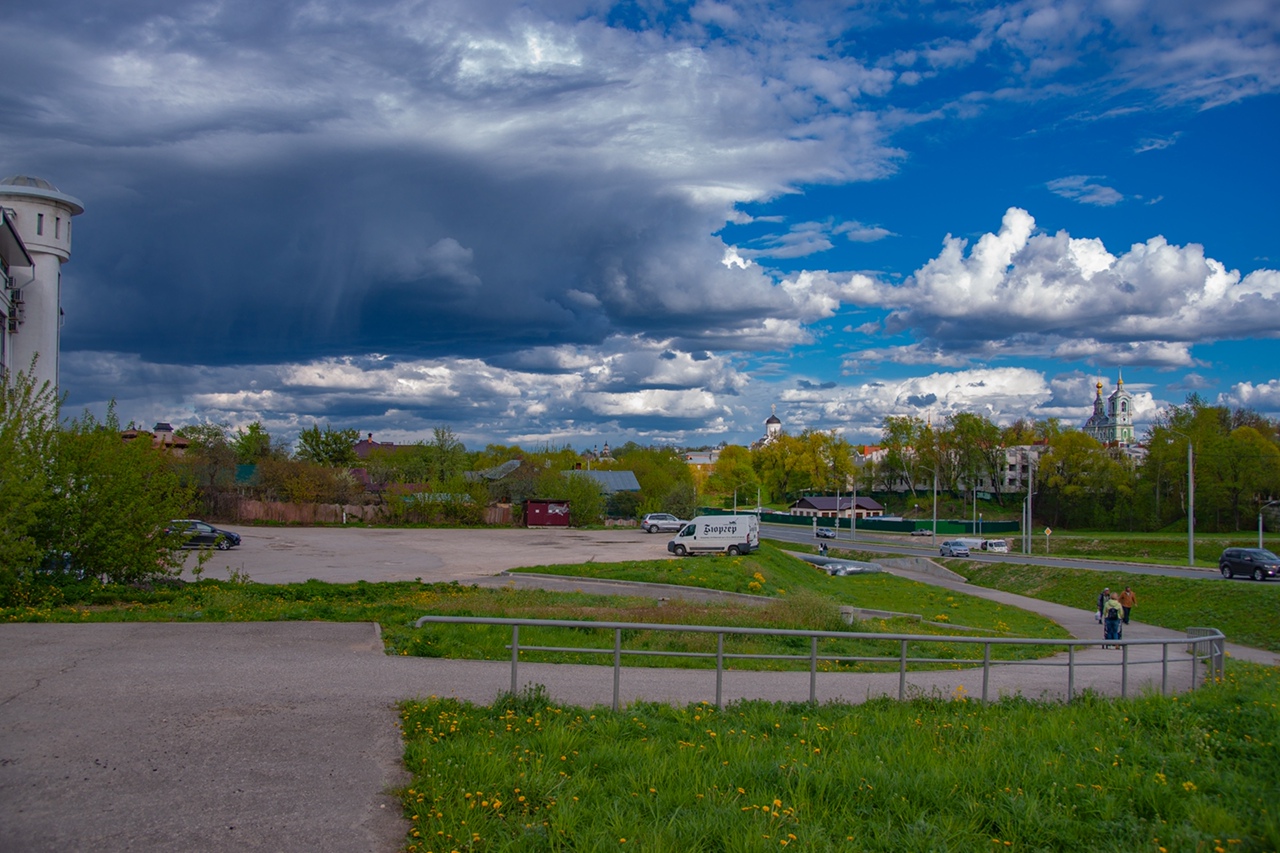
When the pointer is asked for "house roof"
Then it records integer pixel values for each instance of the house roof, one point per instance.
(611, 481)
(827, 503)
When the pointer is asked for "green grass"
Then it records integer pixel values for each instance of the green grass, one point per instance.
(1165, 548)
(1194, 773)
(771, 572)
(395, 606)
(1247, 612)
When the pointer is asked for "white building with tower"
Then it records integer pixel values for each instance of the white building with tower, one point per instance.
(35, 241)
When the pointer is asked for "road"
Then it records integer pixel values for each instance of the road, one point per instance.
(883, 544)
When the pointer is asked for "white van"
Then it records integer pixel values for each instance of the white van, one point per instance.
(717, 534)
(997, 546)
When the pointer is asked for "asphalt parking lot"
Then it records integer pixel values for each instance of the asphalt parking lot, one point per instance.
(349, 554)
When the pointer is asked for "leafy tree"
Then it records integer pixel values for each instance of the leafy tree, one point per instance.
(661, 472)
(1079, 480)
(329, 447)
(732, 474)
(253, 444)
(781, 469)
(979, 449)
(296, 481)
(210, 457)
(826, 460)
(446, 456)
(111, 500)
(28, 432)
(586, 501)
(901, 437)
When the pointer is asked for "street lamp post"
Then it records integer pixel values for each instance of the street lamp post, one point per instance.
(935, 504)
(1191, 505)
(979, 525)
(1260, 509)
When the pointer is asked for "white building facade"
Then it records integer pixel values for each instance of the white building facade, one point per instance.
(39, 215)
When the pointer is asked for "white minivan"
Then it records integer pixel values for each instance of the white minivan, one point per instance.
(717, 534)
(997, 546)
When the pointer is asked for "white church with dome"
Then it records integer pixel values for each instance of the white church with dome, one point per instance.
(1112, 419)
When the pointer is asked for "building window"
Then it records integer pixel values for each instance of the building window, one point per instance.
(39, 224)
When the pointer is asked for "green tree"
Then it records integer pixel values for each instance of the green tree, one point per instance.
(1079, 480)
(329, 447)
(28, 432)
(781, 468)
(586, 501)
(111, 500)
(901, 437)
(210, 457)
(446, 456)
(661, 471)
(253, 444)
(733, 475)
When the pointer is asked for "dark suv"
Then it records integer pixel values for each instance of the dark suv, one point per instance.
(1256, 563)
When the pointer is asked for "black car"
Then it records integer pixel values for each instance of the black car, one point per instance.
(1256, 563)
(202, 534)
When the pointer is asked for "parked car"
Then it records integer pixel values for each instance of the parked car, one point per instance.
(826, 533)
(920, 531)
(998, 546)
(202, 534)
(1256, 563)
(661, 521)
(953, 548)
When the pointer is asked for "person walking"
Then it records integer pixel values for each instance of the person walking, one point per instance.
(1111, 615)
(1103, 598)
(1127, 600)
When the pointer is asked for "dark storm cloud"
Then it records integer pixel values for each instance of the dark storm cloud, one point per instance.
(478, 211)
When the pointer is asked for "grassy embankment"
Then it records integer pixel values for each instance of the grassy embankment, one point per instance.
(1193, 773)
(1166, 548)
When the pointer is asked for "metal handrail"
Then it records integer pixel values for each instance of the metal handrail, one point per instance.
(1205, 647)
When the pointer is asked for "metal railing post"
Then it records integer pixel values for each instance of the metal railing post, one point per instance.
(1071, 673)
(719, 670)
(1164, 668)
(986, 669)
(902, 672)
(617, 665)
(515, 655)
(1124, 671)
(813, 670)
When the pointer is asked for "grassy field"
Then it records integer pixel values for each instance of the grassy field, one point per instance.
(1247, 612)
(1166, 548)
(1195, 773)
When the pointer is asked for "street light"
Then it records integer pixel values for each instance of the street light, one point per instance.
(1260, 509)
(1191, 498)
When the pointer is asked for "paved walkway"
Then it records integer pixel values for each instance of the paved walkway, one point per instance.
(281, 736)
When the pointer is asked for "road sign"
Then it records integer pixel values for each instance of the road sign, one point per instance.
(1048, 531)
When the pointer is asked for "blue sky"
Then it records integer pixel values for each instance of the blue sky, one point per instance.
(588, 222)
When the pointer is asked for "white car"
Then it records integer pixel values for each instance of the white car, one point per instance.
(953, 548)
(661, 521)
(996, 546)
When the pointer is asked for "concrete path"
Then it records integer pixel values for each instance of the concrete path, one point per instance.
(281, 736)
